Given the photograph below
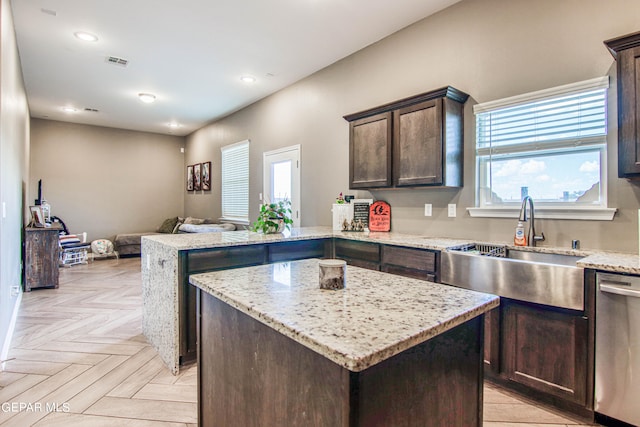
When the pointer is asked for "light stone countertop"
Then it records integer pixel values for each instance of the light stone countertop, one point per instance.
(612, 262)
(188, 241)
(376, 316)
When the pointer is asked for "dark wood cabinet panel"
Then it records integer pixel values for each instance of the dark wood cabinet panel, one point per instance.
(370, 152)
(409, 262)
(359, 254)
(419, 259)
(546, 350)
(230, 257)
(290, 251)
(41, 253)
(626, 50)
(417, 148)
(492, 342)
(262, 377)
(423, 134)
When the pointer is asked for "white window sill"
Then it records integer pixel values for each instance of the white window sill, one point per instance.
(591, 214)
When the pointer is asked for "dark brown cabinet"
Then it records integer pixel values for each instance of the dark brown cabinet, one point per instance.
(546, 350)
(626, 50)
(370, 152)
(409, 262)
(41, 253)
(417, 141)
(359, 254)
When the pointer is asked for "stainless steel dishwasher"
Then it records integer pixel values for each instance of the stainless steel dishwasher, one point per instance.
(617, 382)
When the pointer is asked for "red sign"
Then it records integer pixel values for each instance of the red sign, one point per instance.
(380, 216)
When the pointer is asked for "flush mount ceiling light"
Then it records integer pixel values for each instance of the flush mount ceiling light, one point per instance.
(87, 37)
(147, 98)
(69, 109)
(248, 79)
(174, 125)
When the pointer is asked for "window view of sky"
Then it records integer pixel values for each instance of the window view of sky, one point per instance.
(551, 178)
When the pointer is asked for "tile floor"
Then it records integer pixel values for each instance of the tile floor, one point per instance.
(78, 358)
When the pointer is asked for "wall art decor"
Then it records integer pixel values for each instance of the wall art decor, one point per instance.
(197, 177)
(190, 178)
(206, 176)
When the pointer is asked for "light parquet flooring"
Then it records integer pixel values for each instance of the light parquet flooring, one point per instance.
(78, 358)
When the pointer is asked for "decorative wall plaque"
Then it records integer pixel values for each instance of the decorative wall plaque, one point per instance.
(380, 216)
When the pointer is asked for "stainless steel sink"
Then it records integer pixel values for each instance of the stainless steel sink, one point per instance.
(543, 278)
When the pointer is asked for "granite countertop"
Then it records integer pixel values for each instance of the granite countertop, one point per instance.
(376, 316)
(187, 241)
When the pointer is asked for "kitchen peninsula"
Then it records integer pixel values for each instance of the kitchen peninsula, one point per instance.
(168, 311)
(386, 350)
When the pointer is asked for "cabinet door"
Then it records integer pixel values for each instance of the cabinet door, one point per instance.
(418, 144)
(370, 152)
(546, 350)
(359, 254)
(409, 262)
(629, 113)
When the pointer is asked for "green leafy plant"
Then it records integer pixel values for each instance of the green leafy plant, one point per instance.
(272, 215)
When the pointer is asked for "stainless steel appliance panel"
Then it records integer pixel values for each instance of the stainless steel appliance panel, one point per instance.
(617, 370)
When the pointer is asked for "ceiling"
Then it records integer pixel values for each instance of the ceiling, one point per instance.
(189, 54)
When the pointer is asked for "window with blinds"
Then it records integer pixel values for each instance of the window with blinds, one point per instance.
(550, 145)
(235, 181)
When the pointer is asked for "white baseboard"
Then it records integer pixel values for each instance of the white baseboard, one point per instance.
(12, 325)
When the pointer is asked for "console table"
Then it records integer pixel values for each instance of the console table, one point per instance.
(41, 252)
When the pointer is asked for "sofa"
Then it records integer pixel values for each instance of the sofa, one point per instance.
(129, 244)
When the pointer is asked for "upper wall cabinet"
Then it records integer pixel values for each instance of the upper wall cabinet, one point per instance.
(626, 50)
(417, 141)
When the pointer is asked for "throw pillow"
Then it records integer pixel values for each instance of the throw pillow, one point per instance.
(168, 225)
(194, 221)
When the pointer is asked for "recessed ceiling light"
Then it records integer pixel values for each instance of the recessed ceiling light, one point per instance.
(174, 125)
(69, 109)
(87, 37)
(248, 79)
(147, 98)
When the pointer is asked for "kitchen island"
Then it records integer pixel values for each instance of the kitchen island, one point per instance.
(386, 350)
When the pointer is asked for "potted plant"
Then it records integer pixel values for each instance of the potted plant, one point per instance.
(273, 217)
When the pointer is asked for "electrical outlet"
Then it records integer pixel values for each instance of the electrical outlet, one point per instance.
(427, 209)
(452, 210)
(15, 290)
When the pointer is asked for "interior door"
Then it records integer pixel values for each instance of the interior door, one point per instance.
(282, 178)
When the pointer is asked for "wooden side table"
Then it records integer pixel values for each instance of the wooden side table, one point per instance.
(41, 252)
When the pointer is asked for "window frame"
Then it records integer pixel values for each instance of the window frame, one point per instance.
(558, 210)
(226, 207)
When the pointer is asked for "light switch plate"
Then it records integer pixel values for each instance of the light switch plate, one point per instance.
(452, 210)
(428, 211)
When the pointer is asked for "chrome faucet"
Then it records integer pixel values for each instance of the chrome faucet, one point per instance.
(532, 238)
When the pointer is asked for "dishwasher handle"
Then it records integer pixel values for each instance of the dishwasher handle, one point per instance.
(618, 290)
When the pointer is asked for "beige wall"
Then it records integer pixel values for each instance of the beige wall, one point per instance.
(106, 181)
(14, 152)
(490, 49)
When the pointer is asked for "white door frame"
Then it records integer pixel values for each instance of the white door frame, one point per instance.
(293, 153)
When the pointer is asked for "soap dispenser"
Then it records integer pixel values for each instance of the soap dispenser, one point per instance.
(520, 239)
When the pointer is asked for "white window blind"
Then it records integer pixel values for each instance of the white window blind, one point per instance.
(568, 119)
(235, 181)
(549, 144)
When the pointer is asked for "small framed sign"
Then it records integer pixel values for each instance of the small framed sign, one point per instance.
(380, 216)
